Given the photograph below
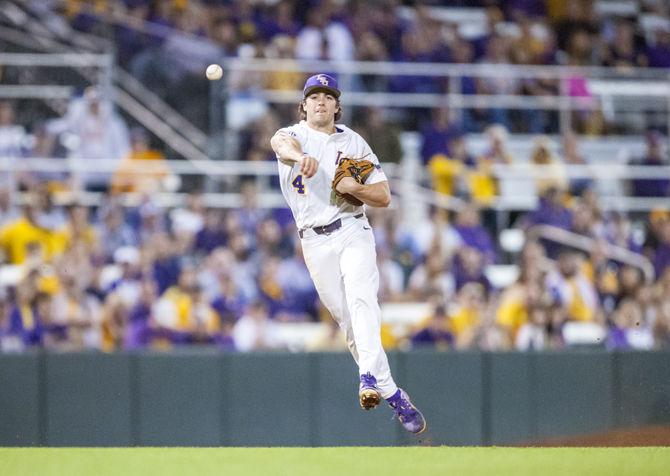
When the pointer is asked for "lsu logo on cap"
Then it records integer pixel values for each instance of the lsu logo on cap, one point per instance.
(321, 82)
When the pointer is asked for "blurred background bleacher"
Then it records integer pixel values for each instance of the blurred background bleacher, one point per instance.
(526, 143)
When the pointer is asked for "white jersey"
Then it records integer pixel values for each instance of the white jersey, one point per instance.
(312, 200)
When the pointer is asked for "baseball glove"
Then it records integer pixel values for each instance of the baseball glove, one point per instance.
(359, 170)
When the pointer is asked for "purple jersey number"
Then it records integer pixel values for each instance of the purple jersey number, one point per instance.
(299, 186)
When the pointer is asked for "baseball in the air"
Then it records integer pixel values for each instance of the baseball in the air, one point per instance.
(214, 72)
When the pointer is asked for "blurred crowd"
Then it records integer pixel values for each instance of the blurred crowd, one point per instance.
(113, 277)
(116, 276)
(168, 44)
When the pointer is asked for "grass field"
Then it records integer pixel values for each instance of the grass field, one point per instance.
(405, 461)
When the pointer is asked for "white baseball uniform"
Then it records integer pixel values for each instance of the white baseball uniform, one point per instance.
(342, 263)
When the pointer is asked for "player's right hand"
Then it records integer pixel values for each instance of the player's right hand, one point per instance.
(308, 166)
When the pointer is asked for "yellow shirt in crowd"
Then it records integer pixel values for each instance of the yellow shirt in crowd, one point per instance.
(17, 235)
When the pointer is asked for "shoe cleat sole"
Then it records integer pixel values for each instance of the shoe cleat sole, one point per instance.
(369, 399)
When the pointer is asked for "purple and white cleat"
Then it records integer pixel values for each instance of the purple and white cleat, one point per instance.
(410, 416)
(368, 392)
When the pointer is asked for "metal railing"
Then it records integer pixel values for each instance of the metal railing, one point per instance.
(584, 243)
(605, 84)
(408, 186)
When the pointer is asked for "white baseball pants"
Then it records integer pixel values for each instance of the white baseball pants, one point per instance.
(343, 266)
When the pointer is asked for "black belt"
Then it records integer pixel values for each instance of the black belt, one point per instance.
(327, 229)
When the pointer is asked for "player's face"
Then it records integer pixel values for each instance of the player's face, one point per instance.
(321, 108)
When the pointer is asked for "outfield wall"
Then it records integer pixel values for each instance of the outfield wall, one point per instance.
(203, 398)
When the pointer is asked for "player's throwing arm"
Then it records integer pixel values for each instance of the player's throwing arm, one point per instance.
(289, 152)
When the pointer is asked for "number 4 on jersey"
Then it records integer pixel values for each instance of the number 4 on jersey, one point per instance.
(299, 185)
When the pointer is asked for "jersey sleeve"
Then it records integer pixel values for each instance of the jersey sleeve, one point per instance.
(296, 132)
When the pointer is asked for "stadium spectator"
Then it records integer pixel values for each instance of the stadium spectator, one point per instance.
(18, 235)
(43, 145)
(79, 313)
(140, 322)
(279, 20)
(116, 232)
(497, 52)
(300, 297)
(328, 339)
(399, 242)
(183, 315)
(166, 265)
(584, 222)
(438, 134)
(435, 331)
(468, 315)
(282, 47)
(572, 156)
(628, 330)
(212, 235)
(254, 330)
(94, 132)
(661, 258)
(447, 172)
(468, 267)
(370, 47)
(227, 300)
(128, 36)
(391, 277)
(533, 334)
(662, 326)
(143, 170)
(13, 136)
(655, 156)
(186, 221)
(551, 211)
(324, 37)
(9, 211)
(619, 232)
(25, 327)
(436, 231)
(548, 170)
(622, 52)
(571, 289)
(381, 135)
(658, 52)
(431, 278)
(13, 141)
(517, 300)
(473, 234)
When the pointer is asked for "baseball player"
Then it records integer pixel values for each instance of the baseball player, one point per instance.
(327, 172)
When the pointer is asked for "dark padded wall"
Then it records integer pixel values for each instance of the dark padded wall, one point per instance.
(268, 400)
(644, 388)
(572, 393)
(19, 400)
(511, 413)
(178, 400)
(87, 400)
(449, 393)
(203, 398)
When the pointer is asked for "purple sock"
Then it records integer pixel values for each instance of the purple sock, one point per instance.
(395, 397)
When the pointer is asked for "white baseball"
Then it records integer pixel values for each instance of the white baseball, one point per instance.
(214, 72)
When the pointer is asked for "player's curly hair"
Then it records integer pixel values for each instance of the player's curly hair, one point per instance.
(303, 114)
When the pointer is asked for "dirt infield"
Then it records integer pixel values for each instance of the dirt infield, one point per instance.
(643, 436)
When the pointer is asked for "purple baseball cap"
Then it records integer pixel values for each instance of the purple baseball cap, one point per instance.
(321, 82)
